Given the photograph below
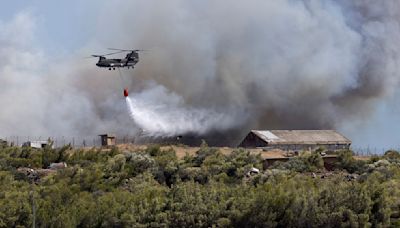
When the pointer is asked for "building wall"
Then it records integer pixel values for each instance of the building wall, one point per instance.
(252, 141)
(308, 147)
(103, 141)
(110, 141)
(36, 144)
(107, 140)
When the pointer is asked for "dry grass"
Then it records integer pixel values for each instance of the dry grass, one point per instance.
(362, 158)
(181, 150)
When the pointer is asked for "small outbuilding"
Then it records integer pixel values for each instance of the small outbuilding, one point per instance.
(295, 140)
(108, 140)
(36, 144)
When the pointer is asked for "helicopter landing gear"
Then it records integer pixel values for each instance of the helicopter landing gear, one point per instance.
(114, 68)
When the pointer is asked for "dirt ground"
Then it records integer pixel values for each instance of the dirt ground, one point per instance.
(362, 158)
(181, 151)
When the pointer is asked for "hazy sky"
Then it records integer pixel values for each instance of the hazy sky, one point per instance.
(64, 28)
(61, 25)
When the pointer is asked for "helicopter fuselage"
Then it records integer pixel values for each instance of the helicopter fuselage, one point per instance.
(130, 60)
(113, 63)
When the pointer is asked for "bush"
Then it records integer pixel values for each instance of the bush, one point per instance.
(303, 163)
(392, 155)
(153, 150)
(153, 188)
(203, 153)
(137, 163)
(346, 161)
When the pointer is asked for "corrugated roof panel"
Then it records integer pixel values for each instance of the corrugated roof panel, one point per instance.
(302, 137)
(268, 135)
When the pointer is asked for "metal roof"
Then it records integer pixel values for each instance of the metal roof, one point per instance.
(108, 135)
(301, 137)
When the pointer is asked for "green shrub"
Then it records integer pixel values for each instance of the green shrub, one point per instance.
(303, 163)
(153, 150)
(137, 163)
(392, 155)
(203, 153)
(345, 160)
(153, 188)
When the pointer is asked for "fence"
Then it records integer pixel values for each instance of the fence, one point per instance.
(76, 142)
(371, 151)
(95, 141)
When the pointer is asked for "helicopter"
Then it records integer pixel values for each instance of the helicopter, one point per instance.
(130, 60)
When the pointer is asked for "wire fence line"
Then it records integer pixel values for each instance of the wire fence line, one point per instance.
(371, 151)
(75, 142)
(95, 141)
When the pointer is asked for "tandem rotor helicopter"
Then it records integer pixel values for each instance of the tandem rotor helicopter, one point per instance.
(130, 60)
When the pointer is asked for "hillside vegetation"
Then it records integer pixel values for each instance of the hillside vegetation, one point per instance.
(153, 188)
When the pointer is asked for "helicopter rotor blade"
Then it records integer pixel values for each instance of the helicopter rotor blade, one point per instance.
(92, 56)
(96, 56)
(122, 50)
(113, 53)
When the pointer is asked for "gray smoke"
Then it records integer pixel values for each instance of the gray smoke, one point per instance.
(267, 64)
(41, 96)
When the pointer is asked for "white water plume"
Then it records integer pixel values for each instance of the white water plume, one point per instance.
(169, 116)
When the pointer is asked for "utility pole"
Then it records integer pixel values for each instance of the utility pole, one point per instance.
(33, 206)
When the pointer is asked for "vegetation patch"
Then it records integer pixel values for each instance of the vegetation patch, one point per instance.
(153, 188)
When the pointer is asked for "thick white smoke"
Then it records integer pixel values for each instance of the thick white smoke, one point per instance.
(162, 114)
(253, 64)
(289, 64)
(45, 97)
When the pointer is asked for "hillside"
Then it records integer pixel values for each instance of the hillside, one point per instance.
(142, 186)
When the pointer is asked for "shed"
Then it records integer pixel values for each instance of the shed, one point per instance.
(108, 139)
(294, 140)
(36, 144)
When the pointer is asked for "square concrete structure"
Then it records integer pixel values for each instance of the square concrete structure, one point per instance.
(108, 139)
(37, 144)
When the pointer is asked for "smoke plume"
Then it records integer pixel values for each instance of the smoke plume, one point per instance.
(213, 66)
(170, 117)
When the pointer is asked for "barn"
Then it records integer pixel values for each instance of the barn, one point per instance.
(295, 140)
